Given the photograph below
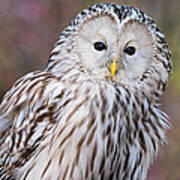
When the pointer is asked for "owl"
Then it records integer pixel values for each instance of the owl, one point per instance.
(93, 113)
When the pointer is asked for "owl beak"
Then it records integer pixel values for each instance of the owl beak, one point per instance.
(113, 67)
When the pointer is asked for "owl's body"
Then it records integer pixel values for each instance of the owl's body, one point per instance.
(85, 117)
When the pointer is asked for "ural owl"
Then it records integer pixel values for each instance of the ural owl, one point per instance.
(93, 112)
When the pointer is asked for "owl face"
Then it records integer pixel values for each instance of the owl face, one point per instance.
(119, 53)
(115, 43)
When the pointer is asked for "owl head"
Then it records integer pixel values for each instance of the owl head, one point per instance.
(117, 44)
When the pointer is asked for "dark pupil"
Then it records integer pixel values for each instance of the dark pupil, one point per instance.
(99, 46)
(130, 50)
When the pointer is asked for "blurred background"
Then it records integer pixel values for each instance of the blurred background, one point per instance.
(29, 28)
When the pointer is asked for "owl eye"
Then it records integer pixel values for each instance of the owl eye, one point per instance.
(99, 46)
(130, 50)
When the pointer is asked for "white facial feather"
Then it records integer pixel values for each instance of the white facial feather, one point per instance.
(101, 29)
(137, 35)
(116, 38)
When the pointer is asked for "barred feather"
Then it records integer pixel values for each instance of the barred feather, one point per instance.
(64, 123)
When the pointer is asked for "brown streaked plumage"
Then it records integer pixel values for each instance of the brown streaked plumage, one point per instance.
(93, 113)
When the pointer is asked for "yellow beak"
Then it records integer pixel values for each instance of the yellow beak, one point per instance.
(113, 67)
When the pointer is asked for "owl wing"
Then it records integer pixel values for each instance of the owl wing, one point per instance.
(26, 114)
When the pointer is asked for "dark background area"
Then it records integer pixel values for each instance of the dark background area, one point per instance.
(29, 28)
